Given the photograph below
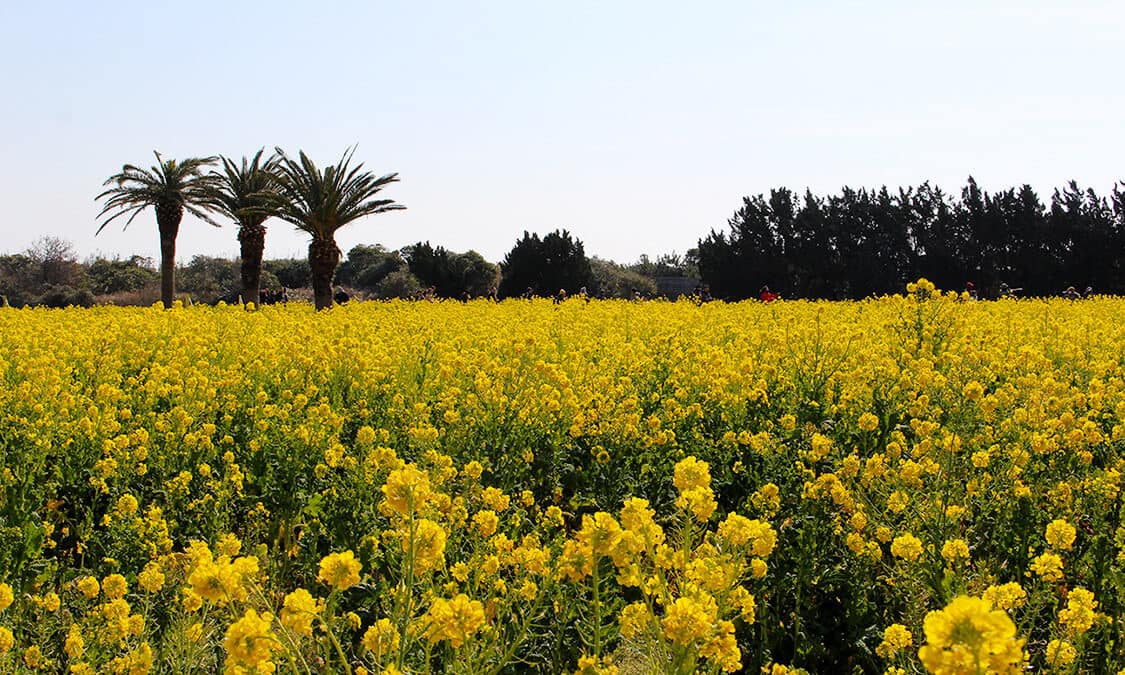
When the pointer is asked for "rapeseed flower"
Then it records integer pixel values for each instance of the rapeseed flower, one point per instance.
(968, 636)
(454, 621)
(114, 586)
(298, 611)
(1060, 535)
(689, 619)
(896, 637)
(428, 545)
(690, 474)
(1049, 566)
(339, 570)
(407, 489)
(250, 642)
(906, 546)
(381, 638)
(1079, 615)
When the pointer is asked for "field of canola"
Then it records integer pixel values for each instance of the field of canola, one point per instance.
(904, 485)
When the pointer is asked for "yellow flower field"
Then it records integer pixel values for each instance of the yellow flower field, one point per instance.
(910, 484)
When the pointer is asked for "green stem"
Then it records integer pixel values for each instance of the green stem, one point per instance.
(597, 609)
(408, 587)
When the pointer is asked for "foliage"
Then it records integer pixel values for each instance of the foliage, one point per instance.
(860, 242)
(612, 280)
(366, 266)
(113, 275)
(290, 272)
(557, 261)
(451, 275)
(400, 284)
(208, 279)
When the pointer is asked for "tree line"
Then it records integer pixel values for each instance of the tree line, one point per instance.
(852, 244)
(870, 242)
(50, 273)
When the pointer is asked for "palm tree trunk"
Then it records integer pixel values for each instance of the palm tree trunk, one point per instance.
(324, 255)
(253, 241)
(168, 232)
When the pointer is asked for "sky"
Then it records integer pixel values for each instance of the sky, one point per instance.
(637, 126)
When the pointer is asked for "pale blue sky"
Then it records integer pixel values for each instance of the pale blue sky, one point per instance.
(638, 126)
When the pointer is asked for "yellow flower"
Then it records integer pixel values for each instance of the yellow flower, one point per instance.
(1060, 535)
(407, 489)
(33, 657)
(743, 601)
(906, 546)
(895, 638)
(381, 638)
(867, 422)
(486, 522)
(192, 601)
(700, 501)
(688, 620)
(114, 586)
(722, 648)
(473, 470)
(969, 632)
(634, 619)
(229, 545)
(600, 532)
(1048, 566)
(7, 640)
(6, 596)
(1060, 653)
(151, 578)
(1079, 614)
(298, 612)
(955, 549)
(74, 646)
(495, 499)
(49, 602)
(354, 622)
(637, 518)
(250, 642)
(127, 505)
(1006, 596)
(89, 587)
(194, 632)
(576, 561)
(528, 590)
(897, 502)
(339, 570)
(429, 545)
(454, 620)
(691, 473)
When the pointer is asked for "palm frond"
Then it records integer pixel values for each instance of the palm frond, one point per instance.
(321, 202)
(167, 183)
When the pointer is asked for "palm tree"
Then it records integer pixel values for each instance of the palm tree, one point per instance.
(322, 202)
(171, 188)
(242, 197)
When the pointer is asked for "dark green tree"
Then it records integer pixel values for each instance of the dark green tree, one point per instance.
(366, 266)
(557, 261)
